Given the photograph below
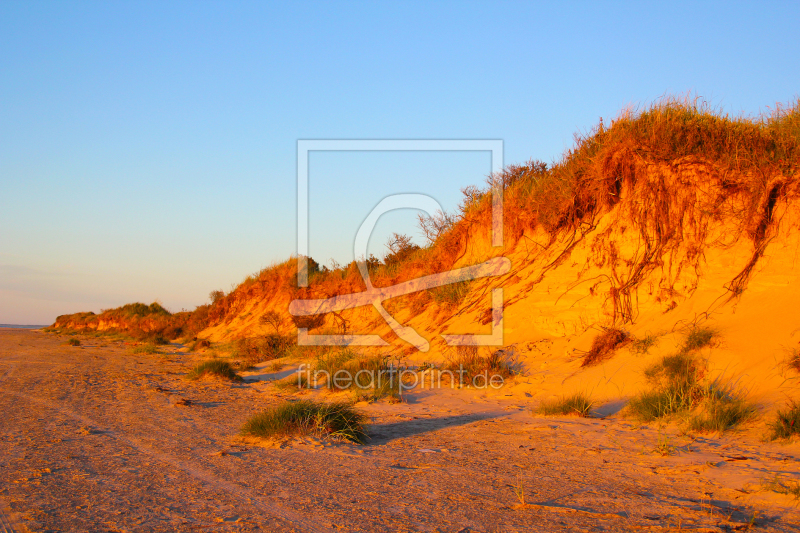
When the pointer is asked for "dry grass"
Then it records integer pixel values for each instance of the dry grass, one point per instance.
(214, 367)
(604, 346)
(787, 422)
(307, 417)
(578, 404)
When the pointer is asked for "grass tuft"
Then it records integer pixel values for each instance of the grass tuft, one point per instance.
(782, 486)
(579, 404)
(308, 417)
(720, 414)
(642, 346)
(148, 348)
(74, 342)
(787, 422)
(214, 367)
(698, 338)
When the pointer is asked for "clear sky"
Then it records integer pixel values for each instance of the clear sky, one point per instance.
(148, 149)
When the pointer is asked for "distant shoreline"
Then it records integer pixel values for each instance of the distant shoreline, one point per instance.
(20, 326)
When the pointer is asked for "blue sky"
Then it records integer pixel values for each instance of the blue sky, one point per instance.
(148, 150)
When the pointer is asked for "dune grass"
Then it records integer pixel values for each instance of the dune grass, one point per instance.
(369, 378)
(214, 367)
(579, 404)
(698, 337)
(786, 422)
(74, 342)
(781, 485)
(678, 388)
(468, 365)
(641, 346)
(147, 348)
(307, 417)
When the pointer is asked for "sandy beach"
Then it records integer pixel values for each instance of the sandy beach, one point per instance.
(94, 438)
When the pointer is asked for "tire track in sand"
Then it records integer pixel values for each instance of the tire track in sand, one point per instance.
(238, 492)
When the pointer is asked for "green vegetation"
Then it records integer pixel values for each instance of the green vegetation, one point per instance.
(579, 404)
(699, 337)
(147, 348)
(257, 349)
(370, 378)
(782, 486)
(307, 417)
(471, 368)
(74, 342)
(214, 367)
(604, 345)
(787, 422)
(450, 295)
(642, 346)
(678, 388)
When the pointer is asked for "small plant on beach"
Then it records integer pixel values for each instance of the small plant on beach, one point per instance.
(642, 346)
(519, 492)
(371, 378)
(468, 365)
(604, 345)
(308, 417)
(214, 367)
(147, 348)
(675, 381)
(782, 486)
(665, 446)
(579, 404)
(699, 337)
(787, 422)
(74, 342)
(722, 408)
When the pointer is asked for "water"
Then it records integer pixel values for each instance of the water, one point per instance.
(21, 326)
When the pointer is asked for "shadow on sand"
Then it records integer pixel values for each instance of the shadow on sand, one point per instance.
(383, 433)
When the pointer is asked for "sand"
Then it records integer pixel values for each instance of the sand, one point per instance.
(95, 439)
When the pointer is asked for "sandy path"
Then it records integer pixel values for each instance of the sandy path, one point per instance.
(91, 439)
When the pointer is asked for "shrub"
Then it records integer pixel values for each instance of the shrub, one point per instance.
(575, 404)
(214, 367)
(787, 422)
(604, 345)
(304, 417)
(74, 342)
(272, 318)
